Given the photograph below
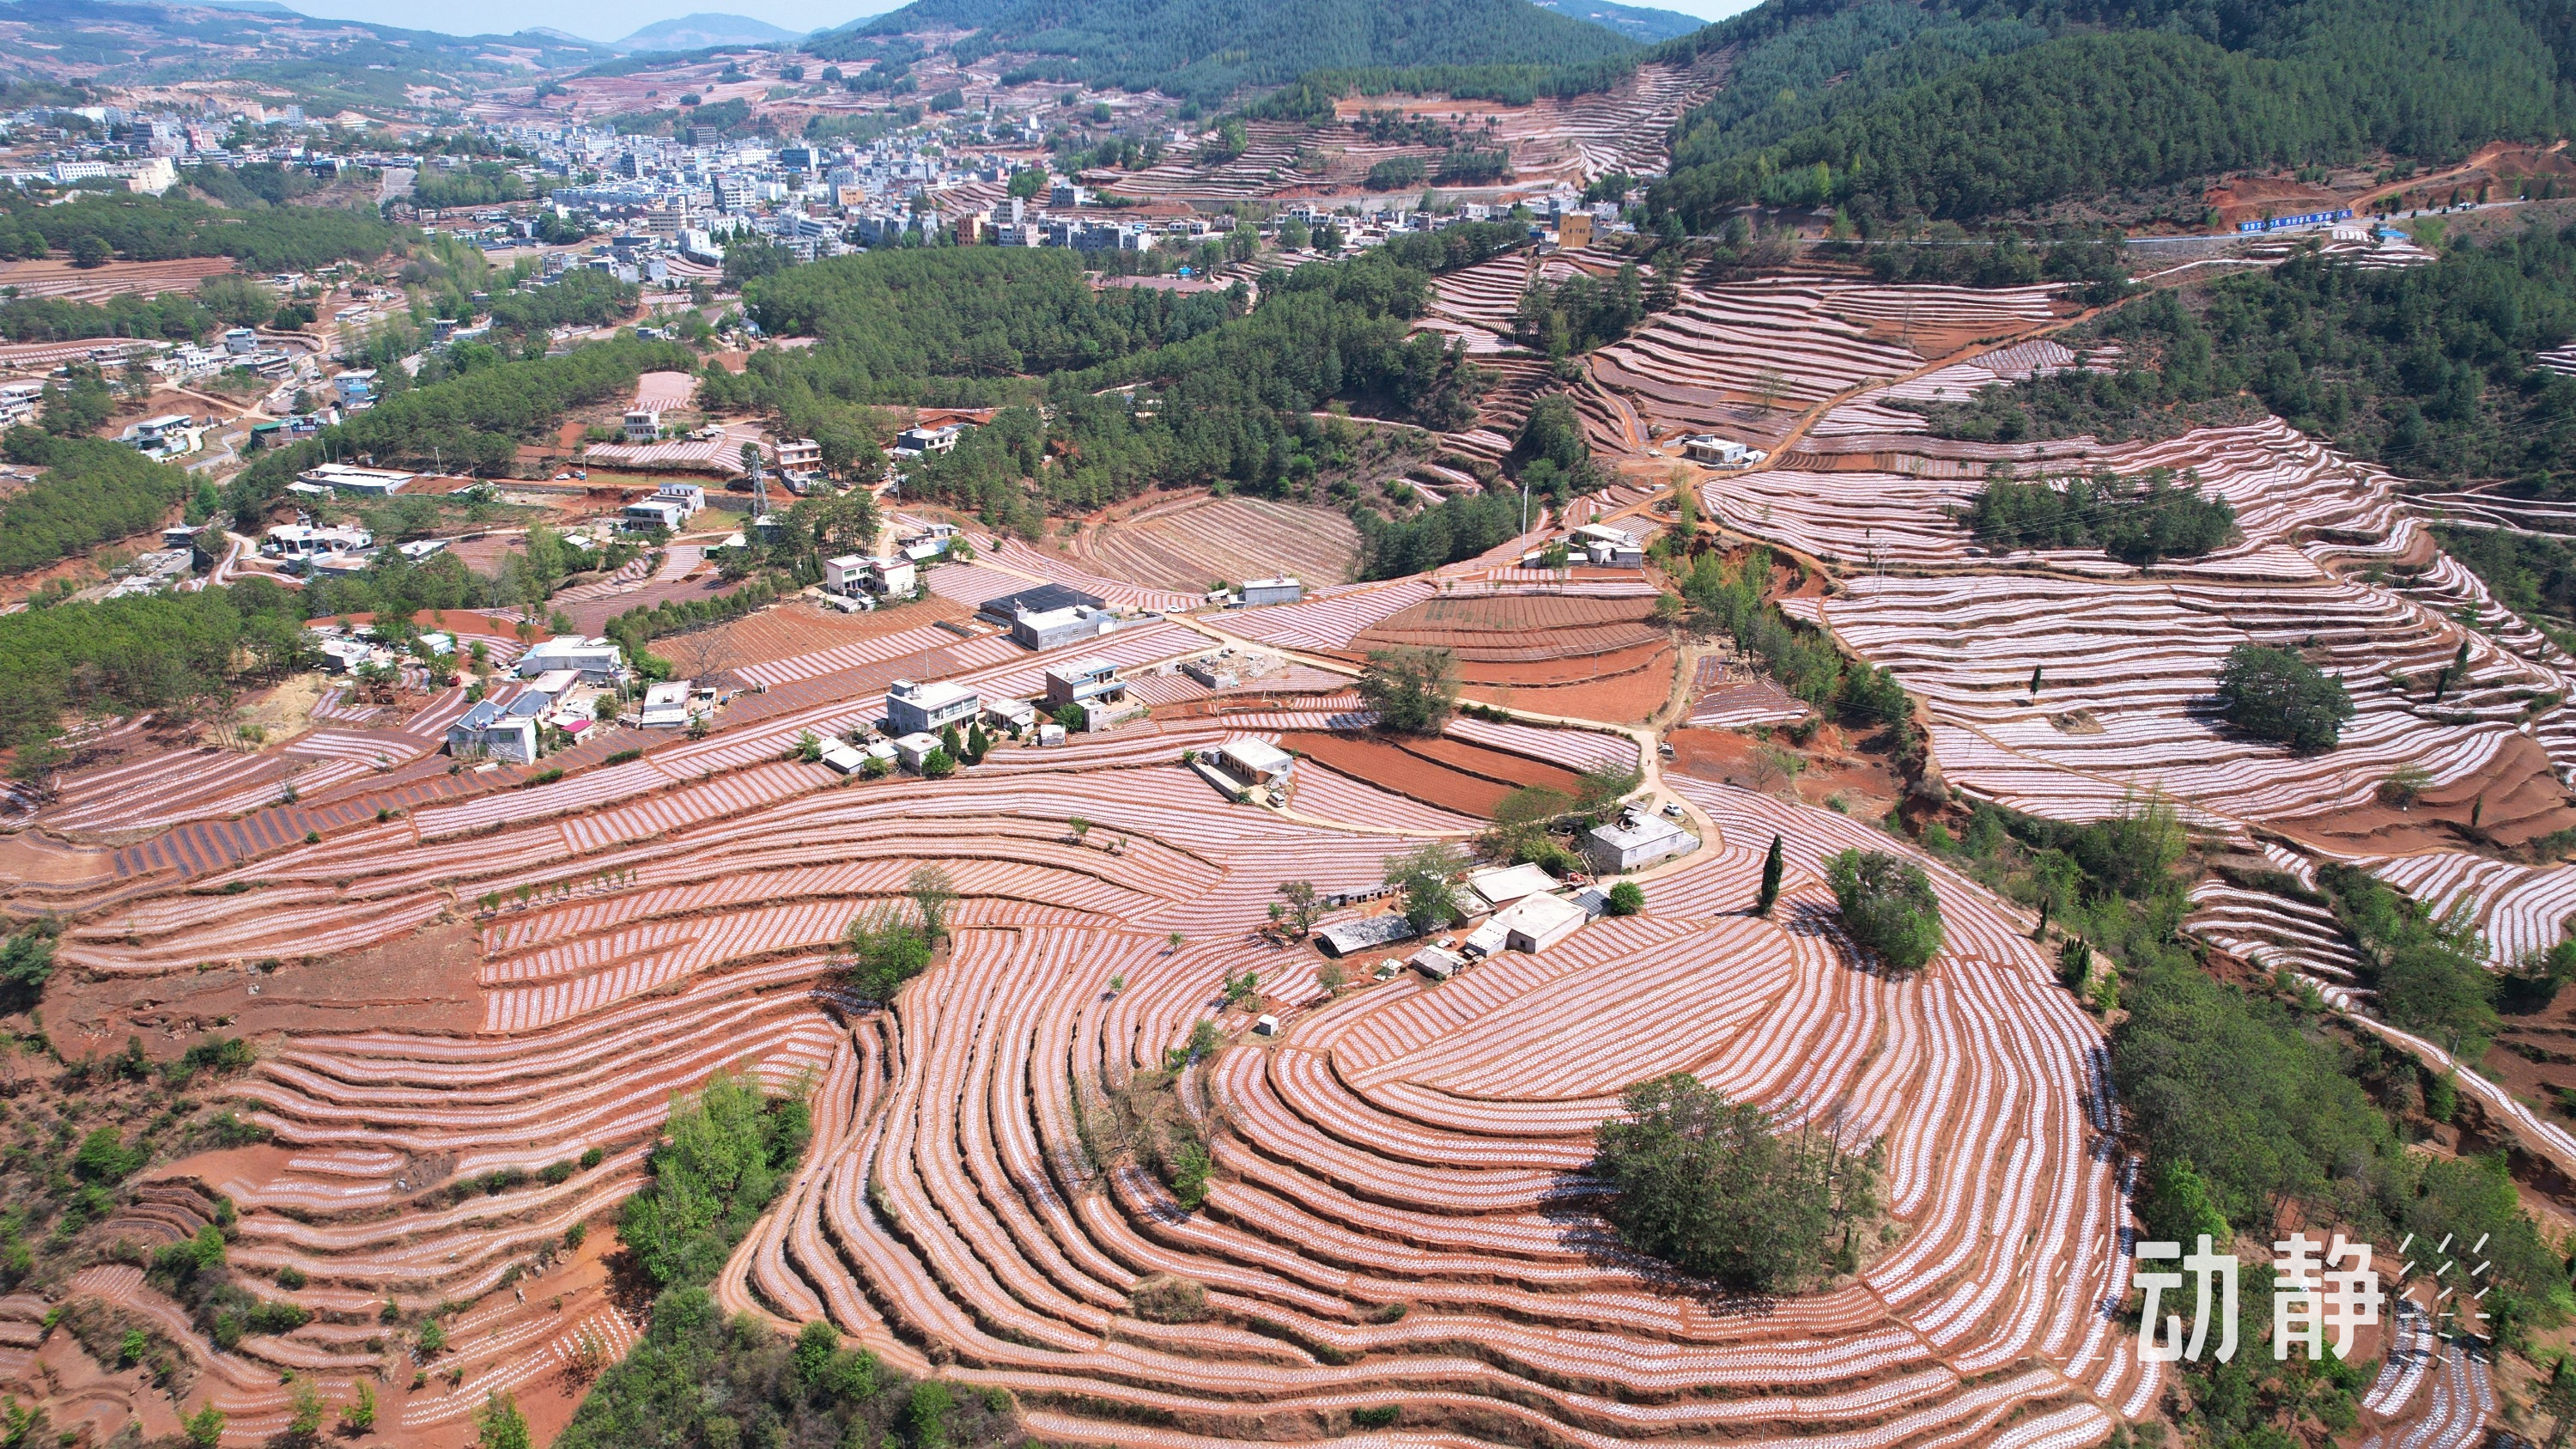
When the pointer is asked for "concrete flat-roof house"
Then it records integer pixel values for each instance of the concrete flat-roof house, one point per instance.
(1056, 628)
(853, 574)
(342, 478)
(914, 709)
(1534, 923)
(1088, 681)
(654, 513)
(1284, 589)
(1254, 763)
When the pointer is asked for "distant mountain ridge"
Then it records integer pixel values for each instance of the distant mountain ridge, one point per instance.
(1208, 49)
(1638, 23)
(702, 31)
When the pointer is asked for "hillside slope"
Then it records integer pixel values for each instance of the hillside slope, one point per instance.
(1208, 50)
(1638, 23)
(1894, 110)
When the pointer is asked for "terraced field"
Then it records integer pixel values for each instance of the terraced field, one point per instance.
(1193, 543)
(1403, 1145)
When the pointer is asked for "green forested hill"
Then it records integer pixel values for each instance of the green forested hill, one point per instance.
(1207, 49)
(1894, 110)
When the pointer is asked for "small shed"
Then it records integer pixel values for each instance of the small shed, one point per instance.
(844, 757)
(1435, 963)
(1284, 589)
(666, 706)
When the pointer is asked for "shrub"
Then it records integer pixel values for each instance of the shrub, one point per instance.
(886, 952)
(1627, 898)
(1887, 906)
(1167, 1298)
(2277, 695)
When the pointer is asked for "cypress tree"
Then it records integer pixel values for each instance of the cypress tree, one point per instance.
(1770, 879)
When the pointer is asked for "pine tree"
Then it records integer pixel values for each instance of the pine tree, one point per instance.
(1770, 879)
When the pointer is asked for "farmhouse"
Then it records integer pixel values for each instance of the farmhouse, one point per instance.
(1435, 963)
(598, 661)
(166, 436)
(1058, 627)
(1038, 599)
(1088, 682)
(654, 513)
(492, 730)
(1255, 764)
(851, 575)
(1534, 923)
(1499, 888)
(1364, 934)
(1606, 547)
(1281, 590)
(303, 540)
(915, 709)
(1633, 841)
(1719, 452)
(914, 442)
(643, 425)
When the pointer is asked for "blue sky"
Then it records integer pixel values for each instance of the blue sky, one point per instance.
(616, 19)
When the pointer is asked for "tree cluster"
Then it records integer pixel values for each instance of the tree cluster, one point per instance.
(697, 1380)
(1978, 111)
(92, 491)
(2142, 520)
(725, 1153)
(1887, 906)
(2276, 694)
(1717, 1189)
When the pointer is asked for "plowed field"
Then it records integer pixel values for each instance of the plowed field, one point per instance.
(1450, 773)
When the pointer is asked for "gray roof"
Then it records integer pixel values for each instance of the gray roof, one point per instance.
(1361, 934)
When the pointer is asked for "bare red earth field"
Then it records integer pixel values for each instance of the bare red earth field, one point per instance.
(1452, 774)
